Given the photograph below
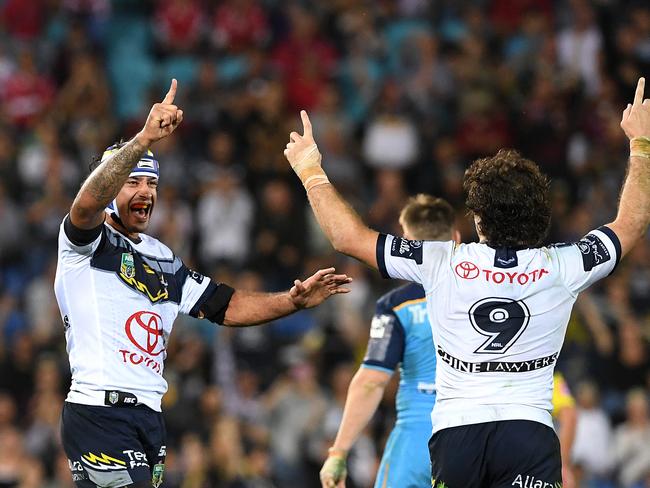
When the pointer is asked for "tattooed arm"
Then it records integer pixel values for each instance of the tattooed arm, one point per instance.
(105, 182)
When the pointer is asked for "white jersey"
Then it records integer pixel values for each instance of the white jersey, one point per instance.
(498, 318)
(118, 299)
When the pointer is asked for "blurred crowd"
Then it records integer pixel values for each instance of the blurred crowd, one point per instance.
(403, 94)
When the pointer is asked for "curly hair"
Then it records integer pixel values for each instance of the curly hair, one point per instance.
(510, 195)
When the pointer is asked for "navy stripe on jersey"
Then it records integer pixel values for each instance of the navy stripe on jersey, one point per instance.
(158, 279)
(615, 240)
(81, 237)
(381, 263)
(387, 335)
(386, 344)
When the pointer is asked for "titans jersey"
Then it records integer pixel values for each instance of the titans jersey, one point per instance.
(118, 299)
(400, 334)
(498, 318)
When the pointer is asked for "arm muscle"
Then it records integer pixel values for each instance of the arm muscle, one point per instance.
(342, 225)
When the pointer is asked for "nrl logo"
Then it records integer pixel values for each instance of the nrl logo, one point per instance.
(157, 475)
(127, 267)
(113, 397)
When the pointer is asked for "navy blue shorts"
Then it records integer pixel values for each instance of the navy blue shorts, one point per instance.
(113, 446)
(502, 454)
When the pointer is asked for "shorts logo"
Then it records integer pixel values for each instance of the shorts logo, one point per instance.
(137, 459)
(77, 470)
(145, 331)
(157, 475)
(113, 397)
(532, 482)
(103, 462)
(467, 270)
(127, 266)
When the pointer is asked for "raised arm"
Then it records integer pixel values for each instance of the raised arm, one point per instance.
(341, 224)
(105, 182)
(253, 308)
(633, 215)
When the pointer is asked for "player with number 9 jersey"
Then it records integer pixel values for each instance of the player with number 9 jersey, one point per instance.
(499, 307)
(498, 317)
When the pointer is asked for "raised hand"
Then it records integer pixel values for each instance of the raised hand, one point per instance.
(636, 117)
(163, 118)
(318, 288)
(304, 157)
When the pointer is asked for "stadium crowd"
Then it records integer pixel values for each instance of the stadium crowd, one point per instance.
(403, 94)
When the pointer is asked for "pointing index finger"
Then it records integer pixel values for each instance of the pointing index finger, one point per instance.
(169, 98)
(306, 124)
(638, 95)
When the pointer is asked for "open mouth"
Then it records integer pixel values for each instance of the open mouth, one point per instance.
(141, 210)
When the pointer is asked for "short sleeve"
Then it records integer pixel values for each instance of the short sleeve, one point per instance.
(195, 289)
(417, 261)
(590, 259)
(78, 244)
(386, 344)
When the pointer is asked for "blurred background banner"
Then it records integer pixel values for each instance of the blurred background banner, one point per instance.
(403, 95)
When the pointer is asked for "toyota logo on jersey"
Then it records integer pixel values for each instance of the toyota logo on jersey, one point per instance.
(467, 270)
(145, 331)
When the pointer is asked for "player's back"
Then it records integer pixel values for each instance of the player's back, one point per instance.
(416, 393)
(498, 317)
(400, 336)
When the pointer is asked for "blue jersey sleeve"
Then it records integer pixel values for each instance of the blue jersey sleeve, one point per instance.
(386, 344)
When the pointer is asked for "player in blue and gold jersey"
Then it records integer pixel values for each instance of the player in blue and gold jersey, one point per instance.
(400, 336)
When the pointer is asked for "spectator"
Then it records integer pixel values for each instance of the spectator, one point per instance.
(225, 215)
(27, 93)
(179, 25)
(579, 46)
(591, 455)
(631, 440)
(239, 24)
(296, 406)
(391, 139)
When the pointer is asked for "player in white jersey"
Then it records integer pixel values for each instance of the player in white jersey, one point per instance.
(498, 308)
(119, 291)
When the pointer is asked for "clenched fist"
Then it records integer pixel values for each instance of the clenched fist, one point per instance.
(163, 118)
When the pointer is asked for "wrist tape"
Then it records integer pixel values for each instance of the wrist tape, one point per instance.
(640, 147)
(309, 169)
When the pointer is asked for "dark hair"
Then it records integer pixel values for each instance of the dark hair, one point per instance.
(427, 217)
(510, 196)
